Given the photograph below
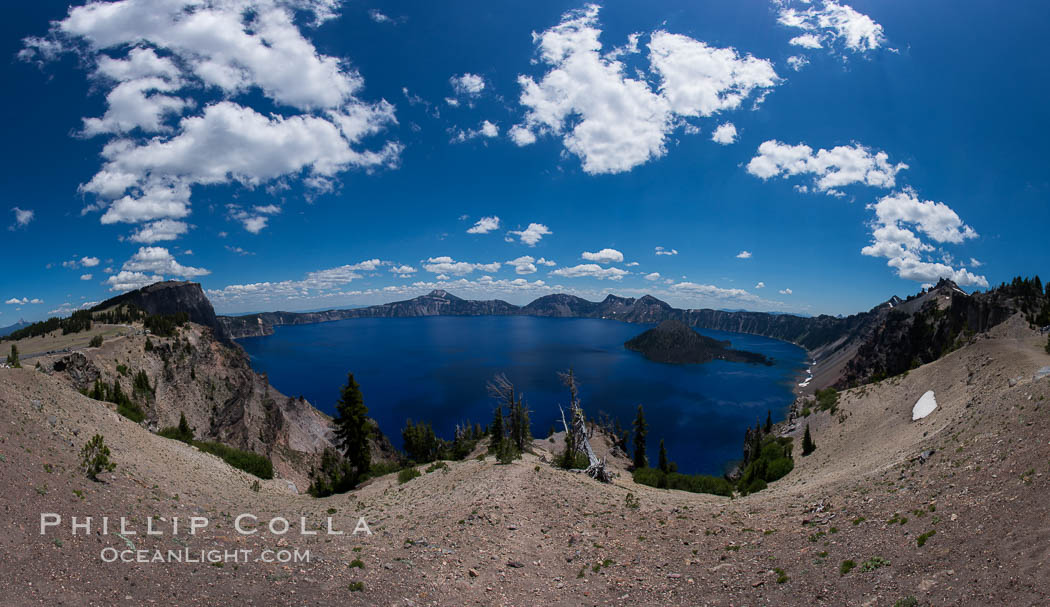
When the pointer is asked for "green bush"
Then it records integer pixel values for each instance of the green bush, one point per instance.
(827, 399)
(113, 393)
(846, 567)
(182, 432)
(95, 457)
(407, 474)
(252, 463)
(579, 462)
(164, 325)
(693, 483)
(772, 463)
(96, 341)
(921, 540)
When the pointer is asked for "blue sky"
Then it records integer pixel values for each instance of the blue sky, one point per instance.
(301, 154)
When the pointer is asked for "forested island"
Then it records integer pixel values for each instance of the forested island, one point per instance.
(673, 341)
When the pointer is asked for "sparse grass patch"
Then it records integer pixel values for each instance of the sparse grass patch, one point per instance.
(356, 586)
(252, 463)
(782, 576)
(874, 563)
(407, 474)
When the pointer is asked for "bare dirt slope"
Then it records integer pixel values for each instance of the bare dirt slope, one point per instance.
(478, 533)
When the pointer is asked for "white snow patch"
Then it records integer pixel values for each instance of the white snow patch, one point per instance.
(924, 406)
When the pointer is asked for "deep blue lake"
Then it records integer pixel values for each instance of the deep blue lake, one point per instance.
(435, 369)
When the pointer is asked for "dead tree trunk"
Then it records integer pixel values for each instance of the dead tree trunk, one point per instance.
(596, 467)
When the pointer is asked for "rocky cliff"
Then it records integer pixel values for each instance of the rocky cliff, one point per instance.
(170, 297)
(435, 303)
(211, 382)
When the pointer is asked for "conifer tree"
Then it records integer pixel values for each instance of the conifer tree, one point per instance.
(352, 428)
(496, 431)
(769, 421)
(665, 466)
(12, 359)
(185, 432)
(808, 446)
(640, 432)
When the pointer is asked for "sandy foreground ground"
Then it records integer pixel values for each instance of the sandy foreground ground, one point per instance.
(953, 509)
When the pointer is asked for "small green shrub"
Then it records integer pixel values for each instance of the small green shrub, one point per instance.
(357, 564)
(182, 432)
(95, 457)
(252, 463)
(407, 474)
(782, 576)
(874, 563)
(357, 586)
(827, 399)
(96, 342)
(921, 540)
(437, 466)
(693, 483)
(846, 567)
(908, 601)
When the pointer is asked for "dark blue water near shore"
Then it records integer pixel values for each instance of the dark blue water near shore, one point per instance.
(435, 369)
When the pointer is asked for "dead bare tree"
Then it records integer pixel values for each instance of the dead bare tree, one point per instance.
(576, 435)
(502, 390)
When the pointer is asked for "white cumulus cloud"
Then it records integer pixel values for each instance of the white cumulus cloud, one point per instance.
(170, 70)
(832, 23)
(724, 134)
(743, 255)
(591, 270)
(901, 220)
(605, 256)
(160, 261)
(484, 225)
(840, 166)
(486, 130)
(448, 266)
(526, 264)
(532, 234)
(22, 217)
(469, 85)
(614, 122)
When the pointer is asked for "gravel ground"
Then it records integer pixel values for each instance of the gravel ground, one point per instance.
(479, 533)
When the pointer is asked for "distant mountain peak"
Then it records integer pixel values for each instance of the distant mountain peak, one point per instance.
(442, 294)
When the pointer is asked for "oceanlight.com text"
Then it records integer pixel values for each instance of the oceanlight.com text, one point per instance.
(186, 555)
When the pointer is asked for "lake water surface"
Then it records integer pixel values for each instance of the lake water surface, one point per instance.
(435, 369)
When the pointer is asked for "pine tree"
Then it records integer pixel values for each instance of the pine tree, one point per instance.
(352, 427)
(520, 433)
(496, 431)
(640, 432)
(12, 359)
(808, 446)
(185, 432)
(665, 466)
(769, 422)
